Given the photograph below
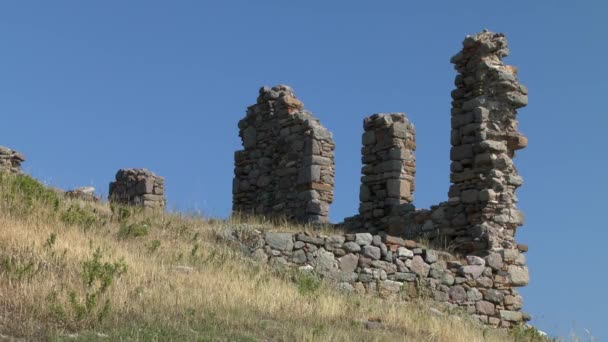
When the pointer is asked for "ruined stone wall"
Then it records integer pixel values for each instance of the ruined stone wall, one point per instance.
(393, 268)
(480, 217)
(10, 160)
(138, 187)
(286, 168)
(388, 169)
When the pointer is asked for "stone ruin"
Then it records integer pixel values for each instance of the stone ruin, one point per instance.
(389, 166)
(138, 187)
(378, 254)
(10, 160)
(286, 168)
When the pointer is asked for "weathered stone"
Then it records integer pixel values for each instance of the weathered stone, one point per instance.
(494, 260)
(352, 246)
(299, 257)
(474, 295)
(494, 296)
(519, 275)
(419, 266)
(371, 252)
(348, 263)
(363, 239)
(511, 316)
(471, 271)
(458, 294)
(310, 239)
(403, 252)
(430, 256)
(279, 241)
(485, 308)
(399, 276)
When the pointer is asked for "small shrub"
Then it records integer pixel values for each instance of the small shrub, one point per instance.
(84, 217)
(154, 245)
(134, 230)
(103, 274)
(307, 283)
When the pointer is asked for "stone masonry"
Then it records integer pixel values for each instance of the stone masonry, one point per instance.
(389, 166)
(10, 160)
(392, 268)
(286, 168)
(480, 218)
(138, 187)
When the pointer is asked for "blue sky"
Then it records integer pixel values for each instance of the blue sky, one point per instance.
(88, 87)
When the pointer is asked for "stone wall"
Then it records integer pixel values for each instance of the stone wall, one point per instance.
(388, 169)
(480, 213)
(286, 168)
(10, 160)
(138, 187)
(395, 269)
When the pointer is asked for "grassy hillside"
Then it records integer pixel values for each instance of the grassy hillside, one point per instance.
(71, 270)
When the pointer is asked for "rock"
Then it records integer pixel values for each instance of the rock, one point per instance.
(306, 268)
(494, 260)
(352, 247)
(259, 256)
(400, 276)
(388, 287)
(519, 275)
(363, 239)
(471, 271)
(373, 325)
(325, 264)
(494, 296)
(334, 241)
(348, 263)
(485, 308)
(511, 316)
(447, 279)
(299, 257)
(183, 269)
(392, 240)
(430, 256)
(346, 287)
(458, 294)
(420, 267)
(474, 295)
(279, 241)
(371, 252)
(403, 252)
(310, 239)
(475, 260)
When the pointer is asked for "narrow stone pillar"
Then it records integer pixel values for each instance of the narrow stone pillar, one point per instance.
(286, 168)
(138, 187)
(485, 138)
(389, 167)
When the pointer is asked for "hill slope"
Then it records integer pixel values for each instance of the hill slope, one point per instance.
(85, 271)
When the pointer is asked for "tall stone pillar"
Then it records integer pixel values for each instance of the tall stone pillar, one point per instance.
(484, 139)
(389, 167)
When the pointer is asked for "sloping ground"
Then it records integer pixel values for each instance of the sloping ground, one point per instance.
(72, 270)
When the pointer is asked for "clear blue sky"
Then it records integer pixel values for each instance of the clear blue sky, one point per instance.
(88, 87)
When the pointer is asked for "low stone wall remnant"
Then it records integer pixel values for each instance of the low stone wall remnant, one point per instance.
(138, 187)
(395, 268)
(10, 160)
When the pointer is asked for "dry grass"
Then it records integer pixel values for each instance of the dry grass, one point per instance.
(219, 295)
